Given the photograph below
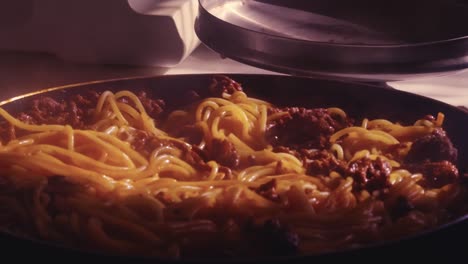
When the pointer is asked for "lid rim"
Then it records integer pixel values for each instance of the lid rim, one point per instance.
(302, 57)
(386, 46)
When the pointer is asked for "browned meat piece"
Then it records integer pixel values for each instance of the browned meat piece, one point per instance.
(82, 108)
(141, 141)
(224, 153)
(316, 162)
(87, 99)
(322, 163)
(223, 84)
(154, 107)
(434, 147)
(146, 143)
(268, 190)
(436, 174)
(304, 128)
(23, 117)
(48, 111)
(369, 174)
(75, 110)
(197, 158)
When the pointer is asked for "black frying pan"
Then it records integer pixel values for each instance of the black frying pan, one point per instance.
(358, 100)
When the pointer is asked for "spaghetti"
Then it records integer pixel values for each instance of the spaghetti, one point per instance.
(225, 175)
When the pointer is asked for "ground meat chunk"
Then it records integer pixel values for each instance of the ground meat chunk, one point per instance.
(145, 143)
(82, 108)
(197, 158)
(223, 84)
(434, 147)
(76, 110)
(304, 128)
(48, 111)
(369, 174)
(140, 141)
(86, 99)
(23, 117)
(268, 190)
(316, 162)
(436, 174)
(322, 162)
(224, 153)
(154, 107)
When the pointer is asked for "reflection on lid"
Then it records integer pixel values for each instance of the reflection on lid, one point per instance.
(298, 24)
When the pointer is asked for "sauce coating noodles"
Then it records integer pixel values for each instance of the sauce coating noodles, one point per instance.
(225, 175)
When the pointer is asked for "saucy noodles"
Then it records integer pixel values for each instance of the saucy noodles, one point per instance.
(221, 174)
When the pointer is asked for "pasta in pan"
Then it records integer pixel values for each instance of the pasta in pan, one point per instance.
(222, 175)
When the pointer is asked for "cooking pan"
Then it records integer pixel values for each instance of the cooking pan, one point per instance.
(357, 99)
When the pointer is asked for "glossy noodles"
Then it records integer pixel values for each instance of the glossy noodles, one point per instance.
(222, 174)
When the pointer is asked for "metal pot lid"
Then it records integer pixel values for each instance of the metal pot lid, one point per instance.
(361, 39)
